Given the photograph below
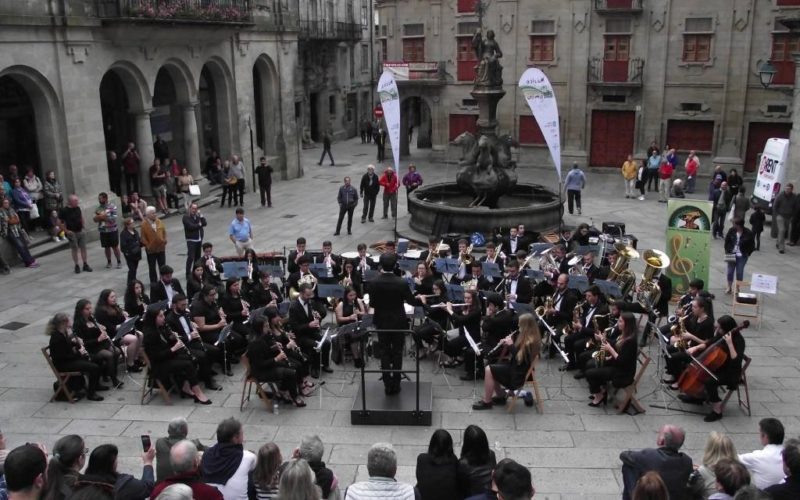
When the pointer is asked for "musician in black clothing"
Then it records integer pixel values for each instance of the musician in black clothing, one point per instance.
(69, 355)
(169, 357)
(252, 272)
(96, 341)
(302, 275)
(583, 329)
(611, 334)
(495, 258)
(476, 280)
(264, 292)
(699, 327)
(684, 305)
(110, 315)
(362, 262)
(517, 288)
(305, 316)
(270, 359)
(292, 264)
(498, 323)
(511, 242)
(196, 280)
(468, 320)
(436, 317)
(208, 316)
(332, 262)
(212, 264)
(179, 321)
(563, 303)
(166, 287)
(136, 301)
(350, 277)
(237, 314)
(580, 238)
(588, 268)
(619, 365)
(423, 280)
(348, 311)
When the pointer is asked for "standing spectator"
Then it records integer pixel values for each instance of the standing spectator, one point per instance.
(653, 164)
(311, 450)
(412, 180)
(23, 204)
(53, 194)
(719, 173)
(783, 209)
(131, 247)
(33, 185)
(735, 181)
(692, 165)
(757, 219)
(790, 489)
(154, 241)
(369, 130)
(114, 173)
(326, 147)
(71, 218)
(102, 468)
(25, 472)
(193, 224)
(665, 172)
(718, 447)
(237, 170)
(721, 207)
(227, 465)
(673, 466)
(629, 176)
(184, 180)
(382, 145)
(136, 206)
(574, 183)
(347, 199)
(741, 204)
(240, 232)
(158, 181)
(641, 179)
(5, 185)
(264, 173)
(229, 183)
(184, 460)
(362, 129)
(11, 229)
(106, 217)
(653, 148)
(766, 465)
(672, 157)
(177, 430)
(382, 468)
(369, 188)
(161, 150)
(437, 470)
(130, 163)
(390, 185)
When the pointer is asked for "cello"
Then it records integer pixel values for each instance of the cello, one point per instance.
(692, 380)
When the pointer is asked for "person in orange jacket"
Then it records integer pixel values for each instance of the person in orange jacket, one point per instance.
(390, 184)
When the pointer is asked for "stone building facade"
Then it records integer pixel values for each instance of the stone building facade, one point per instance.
(625, 73)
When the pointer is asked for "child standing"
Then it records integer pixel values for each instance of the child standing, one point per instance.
(56, 231)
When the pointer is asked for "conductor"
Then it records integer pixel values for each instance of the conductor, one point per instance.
(387, 295)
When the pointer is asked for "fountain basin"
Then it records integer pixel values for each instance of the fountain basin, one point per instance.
(444, 208)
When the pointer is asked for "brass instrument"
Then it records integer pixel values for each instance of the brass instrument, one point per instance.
(432, 254)
(576, 317)
(306, 278)
(470, 284)
(525, 263)
(620, 273)
(548, 304)
(547, 263)
(497, 253)
(591, 342)
(600, 355)
(648, 291)
(678, 330)
(466, 258)
(575, 269)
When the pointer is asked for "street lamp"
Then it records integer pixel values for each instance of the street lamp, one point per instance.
(766, 73)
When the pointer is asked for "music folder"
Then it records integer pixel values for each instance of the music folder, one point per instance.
(255, 314)
(402, 246)
(126, 327)
(491, 269)
(538, 249)
(609, 288)
(330, 290)
(408, 265)
(272, 270)
(320, 270)
(223, 334)
(580, 283)
(455, 292)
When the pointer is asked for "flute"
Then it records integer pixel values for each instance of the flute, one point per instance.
(499, 346)
(441, 306)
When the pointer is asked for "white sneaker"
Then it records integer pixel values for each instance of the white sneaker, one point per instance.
(641, 198)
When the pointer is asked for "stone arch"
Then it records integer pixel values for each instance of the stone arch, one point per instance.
(49, 121)
(182, 78)
(140, 98)
(416, 110)
(174, 117)
(266, 85)
(222, 115)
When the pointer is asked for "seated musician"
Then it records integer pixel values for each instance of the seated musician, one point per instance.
(237, 312)
(180, 322)
(292, 262)
(619, 363)
(423, 280)
(349, 277)
(583, 328)
(110, 315)
(494, 257)
(436, 317)
(270, 362)
(475, 280)
(525, 347)
(362, 262)
(695, 290)
(560, 258)
(517, 287)
(196, 280)
(169, 357)
(264, 293)
(207, 315)
(69, 355)
(332, 262)
(586, 359)
(166, 287)
(511, 242)
(468, 320)
(136, 301)
(96, 341)
(305, 316)
(430, 254)
(391, 249)
(580, 238)
(302, 275)
(349, 310)
(729, 339)
(560, 312)
(588, 268)
(699, 327)
(252, 272)
(212, 264)
(497, 324)
(464, 260)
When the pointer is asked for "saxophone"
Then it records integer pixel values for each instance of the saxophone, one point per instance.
(678, 330)
(576, 317)
(548, 304)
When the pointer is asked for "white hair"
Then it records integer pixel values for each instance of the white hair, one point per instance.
(150, 210)
(176, 491)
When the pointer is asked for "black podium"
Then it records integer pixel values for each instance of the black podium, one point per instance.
(413, 405)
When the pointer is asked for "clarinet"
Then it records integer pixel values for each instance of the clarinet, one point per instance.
(78, 343)
(193, 326)
(102, 330)
(177, 339)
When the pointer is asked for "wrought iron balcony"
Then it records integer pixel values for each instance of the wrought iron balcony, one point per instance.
(628, 73)
(330, 30)
(189, 11)
(618, 6)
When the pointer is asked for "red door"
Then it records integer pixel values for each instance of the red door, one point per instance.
(463, 123)
(615, 58)
(619, 4)
(756, 138)
(612, 137)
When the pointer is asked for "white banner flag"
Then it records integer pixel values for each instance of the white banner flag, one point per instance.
(542, 100)
(390, 101)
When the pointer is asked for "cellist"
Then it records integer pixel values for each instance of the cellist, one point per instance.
(729, 339)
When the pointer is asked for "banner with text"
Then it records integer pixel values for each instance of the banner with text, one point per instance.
(390, 101)
(542, 100)
(404, 71)
(688, 243)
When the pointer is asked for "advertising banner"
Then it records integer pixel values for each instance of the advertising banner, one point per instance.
(688, 243)
(390, 102)
(542, 100)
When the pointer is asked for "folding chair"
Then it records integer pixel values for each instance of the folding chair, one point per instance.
(151, 383)
(745, 302)
(247, 387)
(630, 391)
(530, 379)
(745, 405)
(61, 378)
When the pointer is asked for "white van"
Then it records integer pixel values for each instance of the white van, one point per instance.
(771, 173)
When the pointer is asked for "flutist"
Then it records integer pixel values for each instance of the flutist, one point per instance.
(466, 319)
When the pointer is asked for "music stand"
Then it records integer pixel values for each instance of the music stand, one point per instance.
(446, 265)
(221, 338)
(661, 387)
(336, 291)
(402, 246)
(554, 343)
(256, 313)
(580, 283)
(609, 288)
(491, 269)
(320, 270)
(234, 269)
(455, 292)
(125, 328)
(408, 265)
(283, 308)
(271, 269)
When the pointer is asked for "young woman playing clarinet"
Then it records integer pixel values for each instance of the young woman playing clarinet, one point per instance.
(619, 363)
(97, 341)
(69, 355)
(110, 315)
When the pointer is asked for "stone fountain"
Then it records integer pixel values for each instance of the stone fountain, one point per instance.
(486, 194)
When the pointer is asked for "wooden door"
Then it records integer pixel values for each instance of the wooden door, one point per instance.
(757, 136)
(612, 137)
(619, 4)
(463, 123)
(615, 58)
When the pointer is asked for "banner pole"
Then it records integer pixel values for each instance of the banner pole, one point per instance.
(560, 208)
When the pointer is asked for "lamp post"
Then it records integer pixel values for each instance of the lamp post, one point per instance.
(766, 73)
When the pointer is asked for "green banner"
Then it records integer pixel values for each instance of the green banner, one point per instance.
(688, 243)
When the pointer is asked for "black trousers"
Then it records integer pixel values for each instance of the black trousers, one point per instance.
(678, 362)
(597, 377)
(575, 344)
(133, 267)
(193, 251)
(285, 377)
(307, 344)
(87, 368)
(239, 190)
(266, 194)
(381, 153)
(573, 196)
(391, 345)
(369, 206)
(757, 237)
(652, 179)
(324, 152)
(182, 369)
(345, 210)
(227, 190)
(131, 183)
(205, 358)
(154, 263)
(718, 227)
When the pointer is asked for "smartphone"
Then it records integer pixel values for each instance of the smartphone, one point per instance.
(145, 442)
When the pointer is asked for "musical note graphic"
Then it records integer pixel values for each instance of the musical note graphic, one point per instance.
(680, 266)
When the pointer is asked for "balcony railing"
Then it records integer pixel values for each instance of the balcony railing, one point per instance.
(198, 11)
(329, 30)
(628, 73)
(618, 6)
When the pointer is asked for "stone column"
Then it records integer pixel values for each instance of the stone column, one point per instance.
(190, 139)
(144, 144)
(792, 169)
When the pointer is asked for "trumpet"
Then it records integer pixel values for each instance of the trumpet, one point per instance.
(466, 258)
(432, 254)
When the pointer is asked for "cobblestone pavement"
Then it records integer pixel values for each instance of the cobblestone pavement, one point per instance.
(572, 449)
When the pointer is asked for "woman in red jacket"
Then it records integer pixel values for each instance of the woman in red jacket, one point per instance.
(390, 184)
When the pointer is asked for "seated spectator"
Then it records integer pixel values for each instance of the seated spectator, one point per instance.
(650, 487)
(673, 466)
(177, 430)
(311, 450)
(750, 492)
(25, 472)
(265, 478)
(512, 481)
(297, 482)
(102, 468)
(63, 471)
(476, 463)
(731, 476)
(185, 462)
(177, 491)
(136, 206)
(719, 446)
(382, 467)
(3, 450)
(766, 465)
(790, 489)
(437, 470)
(227, 464)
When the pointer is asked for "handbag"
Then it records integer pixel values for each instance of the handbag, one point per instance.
(730, 257)
(34, 211)
(194, 190)
(232, 181)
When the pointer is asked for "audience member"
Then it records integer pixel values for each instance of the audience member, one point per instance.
(718, 447)
(227, 465)
(71, 218)
(265, 479)
(650, 487)
(25, 472)
(154, 241)
(184, 460)
(476, 463)
(512, 481)
(297, 482)
(766, 465)
(382, 467)
(789, 489)
(177, 430)
(69, 457)
(102, 468)
(731, 475)
(177, 491)
(673, 466)
(311, 450)
(750, 492)
(437, 470)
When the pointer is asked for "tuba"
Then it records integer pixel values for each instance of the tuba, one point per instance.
(575, 266)
(648, 291)
(620, 274)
